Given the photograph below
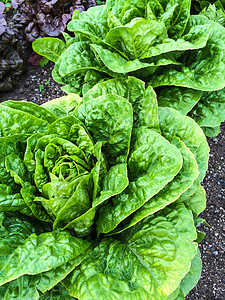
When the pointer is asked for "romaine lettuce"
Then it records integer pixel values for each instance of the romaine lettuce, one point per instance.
(157, 41)
(99, 195)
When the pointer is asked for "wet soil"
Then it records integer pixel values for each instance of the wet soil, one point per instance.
(38, 86)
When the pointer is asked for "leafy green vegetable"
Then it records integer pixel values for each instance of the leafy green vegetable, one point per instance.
(52, 48)
(131, 265)
(179, 98)
(99, 193)
(190, 280)
(179, 54)
(210, 110)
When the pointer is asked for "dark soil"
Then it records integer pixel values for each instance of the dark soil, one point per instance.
(38, 86)
(212, 282)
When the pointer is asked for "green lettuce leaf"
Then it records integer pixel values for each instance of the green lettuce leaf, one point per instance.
(172, 123)
(190, 279)
(144, 262)
(15, 121)
(114, 182)
(210, 110)
(196, 38)
(63, 106)
(151, 152)
(135, 38)
(14, 231)
(32, 109)
(92, 23)
(143, 100)
(214, 12)
(197, 202)
(116, 62)
(78, 58)
(52, 248)
(13, 146)
(179, 98)
(109, 118)
(201, 69)
(171, 192)
(58, 292)
(49, 47)
(21, 288)
(211, 131)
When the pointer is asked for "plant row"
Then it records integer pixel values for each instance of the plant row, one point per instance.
(100, 190)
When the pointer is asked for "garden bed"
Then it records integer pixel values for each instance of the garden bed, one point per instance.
(36, 85)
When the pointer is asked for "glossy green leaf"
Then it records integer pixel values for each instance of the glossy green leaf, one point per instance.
(179, 98)
(172, 123)
(13, 144)
(151, 153)
(49, 47)
(210, 110)
(91, 23)
(143, 100)
(63, 106)
(58, 193)
(16, 231)
(62, 128)
(109, 118)
(201, 69)
(146, 262)
(125, 11)
(131, 89)
(116, 6)
(214, 12)
(55, 72)
(33, 109)
(10, 198)
(78, 58)
(116, 62)
(146, 111)
(58, 292)
(11, 202)
(14, 164)
(196, 203)
(29, 155)
(172, 191)
(69, 39)
(48, 280)
(40, 174)
(52, 249)
(78, 204)
(190, 279)
(113, 183)
(135, 38)
(21, 288)
(28, 194)
(180, 17)
(211, 131)
(14, 121)
(196, 38)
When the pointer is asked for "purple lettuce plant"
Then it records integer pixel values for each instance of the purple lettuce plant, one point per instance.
(2, 18)
(11, 61)
(35, 19)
